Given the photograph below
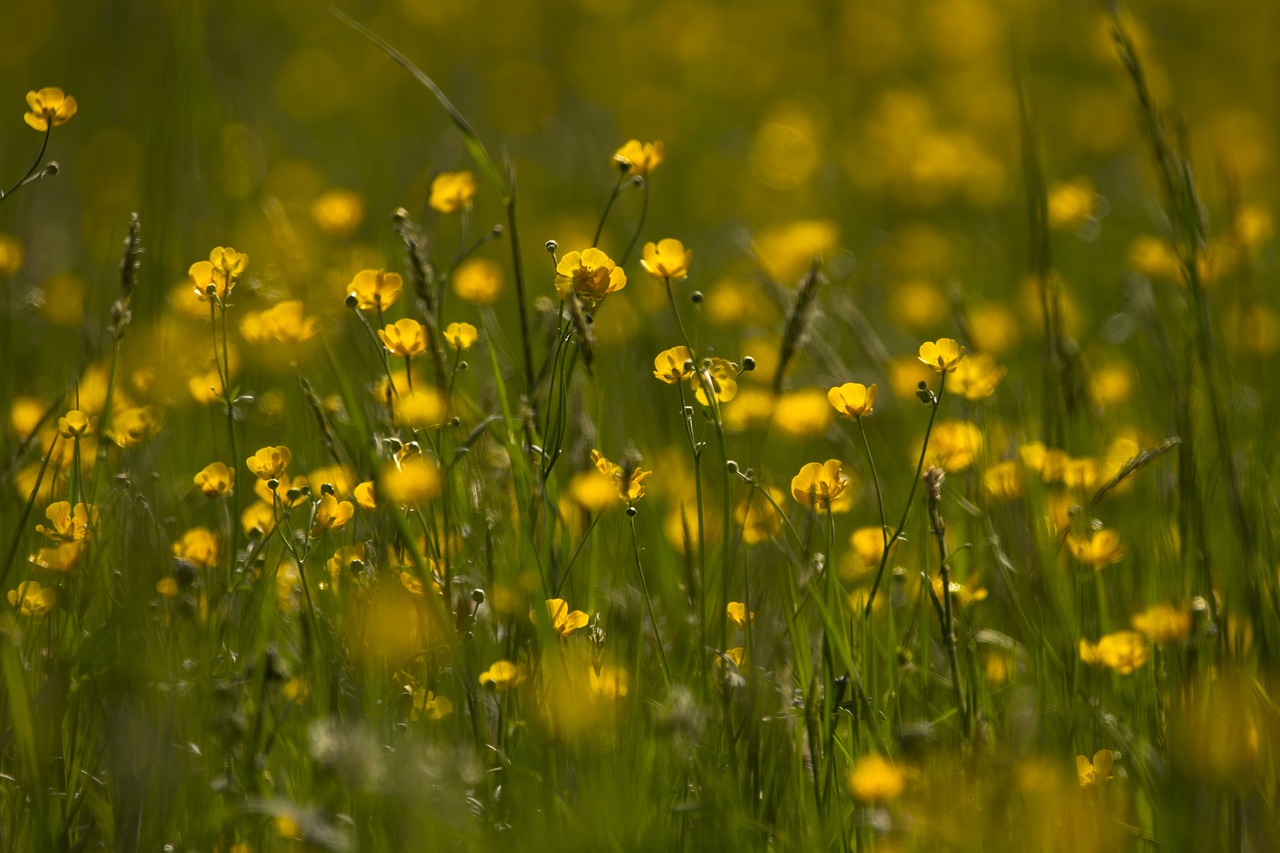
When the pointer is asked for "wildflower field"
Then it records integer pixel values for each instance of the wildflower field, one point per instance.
(607, 425)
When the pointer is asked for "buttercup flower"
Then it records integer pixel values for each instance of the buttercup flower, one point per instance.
(461, 335)
(429, 705)
(222, 269)
(669, 365)
(1100, 548)
(452, 191)
(874, 780)
(404, 338)
(60, 558)
(1093, 773)
(31, 599)
(376, 290)
(76, 424)
(199, 547)
(738, 615)
(1123, 651)
(853, 399)
(1163, 623)
(942, 355)
(503, 675)
(639, 158)
(338, 212)
(215, 480)
(50, 107)
(68, 524)
(283, 322)
(721, 377)
(667, 259)
(563, 620)
(331, 514)
(591, 274)
(478, 281)
(820, 485)
(365, 496)
(977, 376)
(410, 482)
(269, 462)
(628, 481)
(759, 519)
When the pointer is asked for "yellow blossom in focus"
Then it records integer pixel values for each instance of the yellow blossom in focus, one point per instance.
(876, 781)
(31, 599)
(220, 272)
(853, 399)
(1070, 204)
(331, 514)
(820, 485)
(1123, 651)
(666, 259)
(1092, 774)
(976, 377)
(413, 481)
(461, 335)
(943, 355)
(452, 191)
(503, 675)
(591, 274)
(1163, 623)
(338, 212)
(1097, 549)
(717, 375)
(639, 158)
(627, 480)
(563, 620)
(199, 547)
(404, 338)
(669, 365)
(50, 107)
(269, 462)
(738, 615)
(478, 281)
(68, 524)
(376, 290)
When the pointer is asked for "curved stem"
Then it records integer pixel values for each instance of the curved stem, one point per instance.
(635, 237)
(617, 191)
(44, 145)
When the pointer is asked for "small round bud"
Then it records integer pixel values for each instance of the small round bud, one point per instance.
(497, 230)
(327, 489)
(351, 301)
(688, 365)
(637, 181)
(211, 289)
(477, 595)
(51, 169)
(551, 246)
(696, 297)
(731, 466)
(455, 421)
(273, 484)
(748, 364)
(293, 494)
(306, 490)
(631, 512)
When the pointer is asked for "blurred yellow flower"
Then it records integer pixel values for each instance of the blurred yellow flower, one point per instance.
(429, 705)
(563, 620)
(365, 495)
(331, 514)
(591, 274)
(1070, 204)
(1097, 549)
(421, 408)
(31, 599)
(461, 335)
(994, 328)
(60, 558)
(666, 259)
(1093, 773)
(12, 255)
(135, 425)
(977, 376)
(259, 517)
(758, 518)
(876, 781)
(376, 290)
(338, 212)
(803, 413)
(282, 322)
(1123, 651)
(76, 424)
(404, 338)
(503, 675)
(670, 365)
(215, 480)
(1003, 481)
(478, 281)
(717, 375)
(961, 594)
(1163, 623)
(820, 485)
(50, 107)
(628, 481)
(639, 158)
(413, 481)
(866, 551)
(452, 191)
(942, 355)
(853, 399)
(199, 547)
(954, 445)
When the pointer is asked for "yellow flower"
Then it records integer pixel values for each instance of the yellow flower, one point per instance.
(977, 376)
(735, 656)
(1072, 203)
(215, 480)
(76, 424)
(819, 485)
(427, 704)
(478, 281)
(376, 290)
(331, 514)
(563, 621)
(942, 355)
(591, 274)
(461, 335)
(136, 425)
(875, 780)
(1123, 651)
(421, 408)
(960, 594)
(1100, 548)
(717, 375)
(269, 462)
(338, 212)
(452, 191)
(1003, 481)
(853, 399)
(12, 254)
(69, 525)
(503, 675)
(738, 615)
(953, 445)
(365, 495)
(259, 517)
(50, 107)
(346, 561)
(1163, 623)
(31, 599)
(60, 558)
(639, 158)
(413, 481)
(629, 481)
(1093, 773)
(867, 550)
(404, 338)
(669, 365)
(758, 518)
(199, 547)
(220, 272)
(283, 322)
(667, 259)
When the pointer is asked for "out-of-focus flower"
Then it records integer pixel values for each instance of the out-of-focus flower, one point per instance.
(283, 322)
(628, 480)
(376, 290)
(667, 259)
(954, 445)
(820, 485)
(365, 495)
(427, 704)
(717, 375)
(1097, 549)
(452, 191)
(411, 482)
(76, 424)
(960, 593)
(50, 107)
(199, 547)
(786, 251)
(1003, 481)
(1070, 204)
(866, 552)
(60, 558)
(338, 212)
(31, 599)
(876, 781)
(1163, 623)
(421, 408)
(404, 338)
(503, 675)
(853, 399)
(563, 620)
(1123, 651)
(591, 274)
(758, 518)
(135, 425)
(269, 462)
(639, 158)
(738, 615)
(803, 413)
(976, 377)
(478, 281)
(943, 355)
(461, 335)
(994, 328)
(12, 255)
(1093, 773)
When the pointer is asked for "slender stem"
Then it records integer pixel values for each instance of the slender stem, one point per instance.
(648, 601)
(44, 145)
(875, 478)
(518, 268)
(617, 190)
(635, 237)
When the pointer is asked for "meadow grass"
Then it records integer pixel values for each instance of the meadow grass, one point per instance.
(334, 541)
